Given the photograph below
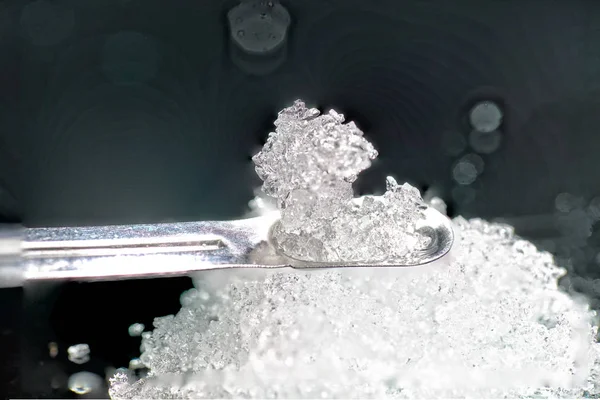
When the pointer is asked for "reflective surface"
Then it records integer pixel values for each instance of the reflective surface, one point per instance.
(160, 250)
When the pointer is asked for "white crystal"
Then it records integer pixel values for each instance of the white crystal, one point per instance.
(136, 363)
(136, 329)
(79, 353)
(309, 164)
(490, 323)
(310, 151)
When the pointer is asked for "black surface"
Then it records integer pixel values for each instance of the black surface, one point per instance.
(167, 135)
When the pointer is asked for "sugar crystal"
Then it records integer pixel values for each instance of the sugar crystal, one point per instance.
(308, 164)
(488, 321)
(136, 329)
(79, 353)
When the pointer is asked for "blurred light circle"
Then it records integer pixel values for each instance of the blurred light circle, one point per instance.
(453, 143)
(464, 173)
(82, 383)
(476, 160)
(46, 23)
(566, 202)
(485, 143)
(463, 195)
(486, 116)
(259, 27)
(467, 169)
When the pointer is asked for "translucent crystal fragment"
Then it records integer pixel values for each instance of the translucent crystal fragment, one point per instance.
(311, 151)
(136, 329)
(308, 164)
(79, 353)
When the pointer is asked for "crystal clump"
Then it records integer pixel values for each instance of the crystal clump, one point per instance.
(308, 164)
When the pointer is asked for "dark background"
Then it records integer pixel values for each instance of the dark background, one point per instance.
(125, 111)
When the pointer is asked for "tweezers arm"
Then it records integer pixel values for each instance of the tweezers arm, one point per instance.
(127, 251)
(11, 269)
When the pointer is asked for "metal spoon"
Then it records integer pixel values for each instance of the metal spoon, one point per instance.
(157, 250)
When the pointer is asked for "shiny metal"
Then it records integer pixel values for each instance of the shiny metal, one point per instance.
(158, 250)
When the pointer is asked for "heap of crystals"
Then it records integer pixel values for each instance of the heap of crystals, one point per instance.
(489, 323)
(308, 164)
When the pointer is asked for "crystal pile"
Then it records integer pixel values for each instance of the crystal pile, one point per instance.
(489, 323)
(308, 165)
(486, 321)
